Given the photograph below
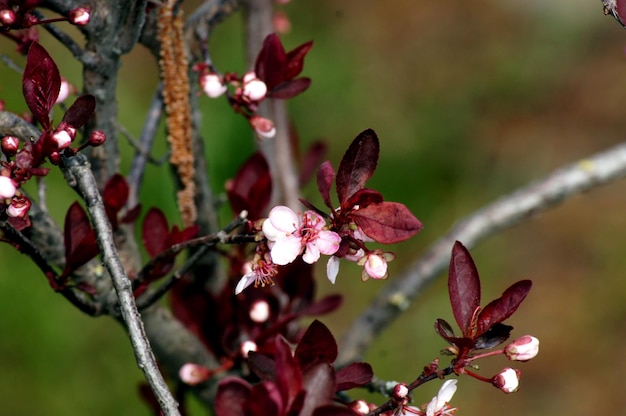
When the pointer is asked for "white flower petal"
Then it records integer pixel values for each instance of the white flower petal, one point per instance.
(312, 253)
(284, 219)
(332, 269)
(285, 250)
(244, 282)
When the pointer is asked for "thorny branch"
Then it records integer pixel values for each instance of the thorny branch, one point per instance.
(583, 175)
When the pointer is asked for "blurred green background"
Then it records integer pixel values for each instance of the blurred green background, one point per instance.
(470, 100)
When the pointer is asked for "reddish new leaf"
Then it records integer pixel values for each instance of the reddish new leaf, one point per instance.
(252, 187)
(79, 239)
(288, 375)
(232, 393)
(365, 197)
(464, 287)
(317, 345)
(290, 89)
(155, 232)
(271, 63)
(500, 309)
(323, 306)
(41, 83)
(325, 176)
(354, 375)
(80, 111)
(115, 193)
(357, 165)
(295, 59)
(387, 222)
(263, 366)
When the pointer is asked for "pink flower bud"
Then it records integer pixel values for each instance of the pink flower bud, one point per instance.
(281, 22)
(253, 88)
(212, 85)
(375, 264)
(79, 16)
(96, 138)
(7, 187)
(193, 374)
(64, 91)
(361, 407)
(259, 311)
(507, 380)
(522, 349)
(10, 144)
(55, 158)
(246, 347)
(62, 139)
(19, 207)
(7, 17)
(400, 391)
(263, 127)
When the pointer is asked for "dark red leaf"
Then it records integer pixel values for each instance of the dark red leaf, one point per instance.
(500, 309)
(19, 223)
(325, 177)
(290, 89)
(357, 165)
(496, 335)
(262, 365)
(354, 375)
(232, 393)
(364, 197)
(41, 83)
(115, 193)
(252, 187)
(444, 329)
(295, 59)
(464, 287)
(387, 222)
(317, 345)
(319, 382)
(271, 63)
(264, 400)
(288, 375)
(131, 215)
(311, 160)
(80, 111)
(155, 232)
(79, 239)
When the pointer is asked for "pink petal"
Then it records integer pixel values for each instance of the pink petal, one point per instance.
(285, 250)
(332, 269)
(312, 253)
(328, 242)
(284, 219)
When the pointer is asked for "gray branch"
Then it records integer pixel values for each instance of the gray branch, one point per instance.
(506, 212)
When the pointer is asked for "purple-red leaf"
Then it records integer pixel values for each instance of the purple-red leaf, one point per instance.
(252, 187)
(319, 382)
(41, 83)
(290, 89)
(80, 111)
(288, 375)
(295, 59)
(79, 239)
(317, 345)
(271, 63)
(325, 177)
(364, 197)
(115, 193)
(357, 165)
(323, 306)
(262, 365)
(387, 222)
(464, 287)
(155, 232)
(354, 375)
(232, 393)
(500, 309)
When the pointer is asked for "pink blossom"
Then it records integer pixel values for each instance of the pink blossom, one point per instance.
(522, 349)
(246, 347)
(259, 271)
(288, 234)
(507, 380)
(375, 264)
(7, 187)
(439, 404)
(263, 127)
(193, 374)
(19, 207)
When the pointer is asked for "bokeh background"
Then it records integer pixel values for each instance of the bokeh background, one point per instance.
(470, 100)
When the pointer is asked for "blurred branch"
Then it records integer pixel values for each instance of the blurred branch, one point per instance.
(277, 151)
(85, 183)
(396, 297)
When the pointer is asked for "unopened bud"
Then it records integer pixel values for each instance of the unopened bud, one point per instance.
(96, 138)
(400, 391)
(19, 207)
(79, 16)
(62, 139)
(281, 22)
(7, 187)
(361, 407)
(212, 85)
(193, 374)
(7, 17)
(10, 144)
(507, 380)
(246, 347)
(263, 127)
(522, 349)
(55, 158)
(253, 88)
(260, 311)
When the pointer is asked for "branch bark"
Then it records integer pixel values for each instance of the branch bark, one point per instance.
(542, 195)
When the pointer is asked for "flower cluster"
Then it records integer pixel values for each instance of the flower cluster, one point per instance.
(274, 76)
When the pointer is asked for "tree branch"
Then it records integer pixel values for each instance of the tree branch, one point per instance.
(588, 173)
(79, 168)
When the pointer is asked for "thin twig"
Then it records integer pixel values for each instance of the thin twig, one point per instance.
(79, 168)
(588, 173)
(10, 63)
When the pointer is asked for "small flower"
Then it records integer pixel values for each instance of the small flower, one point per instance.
(212, 84)
(507, 380)
(193, 374)
(439, 404)
(253, 88)
(288, 234)
(263, 127)
(7, 187)
(522, 349)
(19, 207)
(259, 271)
(375, 264)
(79, 16)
